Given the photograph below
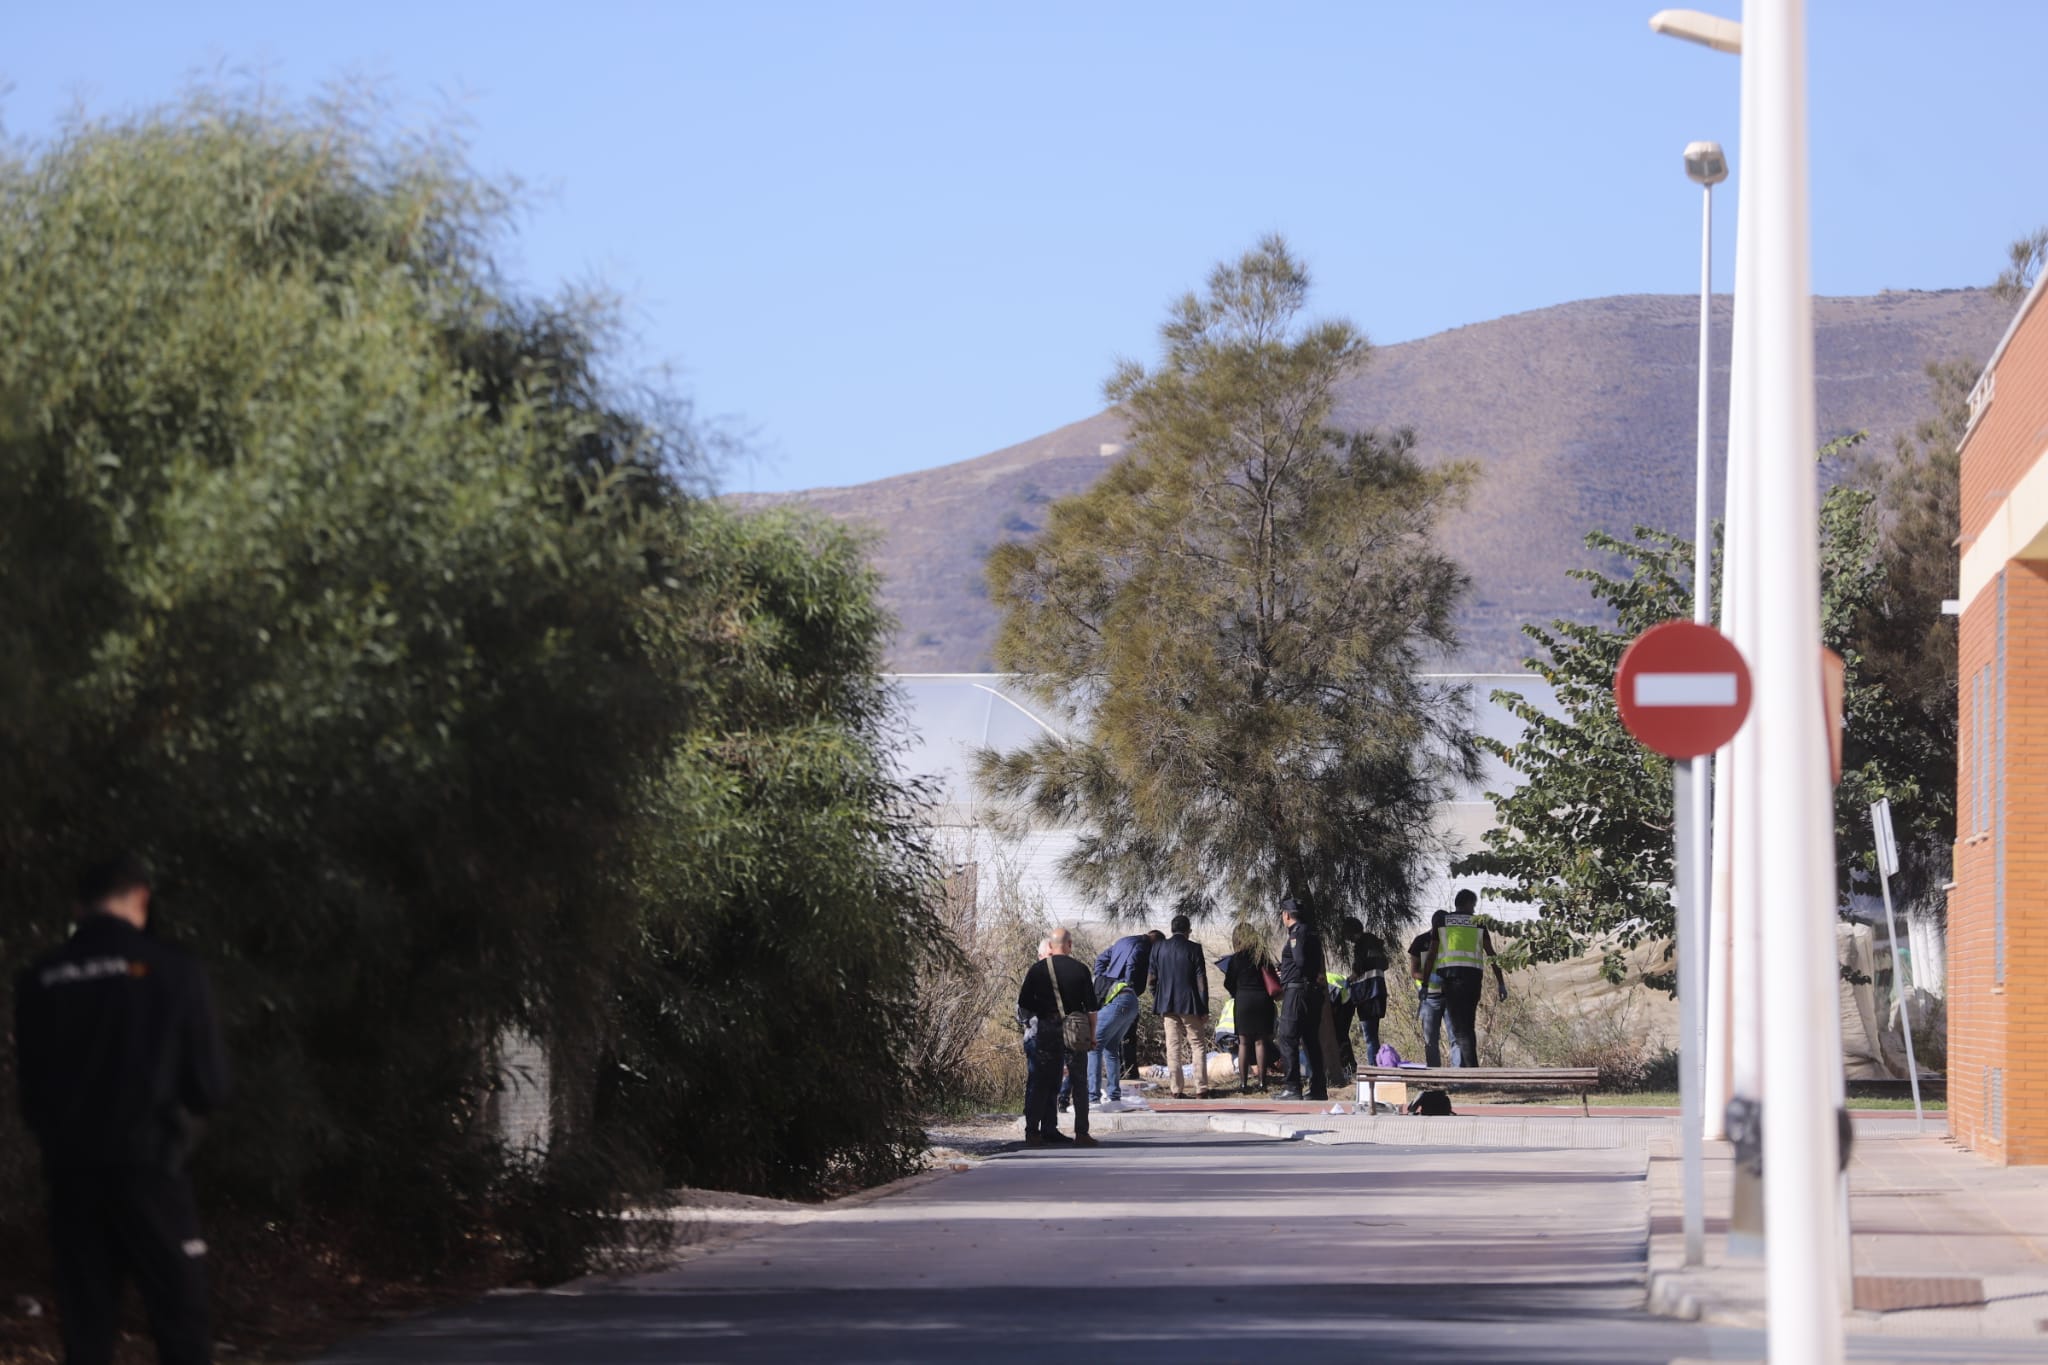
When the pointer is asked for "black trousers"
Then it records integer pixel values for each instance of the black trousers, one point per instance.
(1049, 1061)
(111, 1225)
(1341, 1015)
(1462, 988)
(1300, 1030)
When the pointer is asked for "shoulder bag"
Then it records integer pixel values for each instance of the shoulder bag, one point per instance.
(1077, 1031)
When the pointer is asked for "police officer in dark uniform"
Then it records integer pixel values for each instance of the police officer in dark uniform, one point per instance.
(119, 1056)
(1301, 1004)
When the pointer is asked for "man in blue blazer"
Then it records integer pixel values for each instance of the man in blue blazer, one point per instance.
(1180, 997)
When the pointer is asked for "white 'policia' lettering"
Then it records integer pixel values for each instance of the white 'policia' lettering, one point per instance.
(92, 969)
(1685, 689)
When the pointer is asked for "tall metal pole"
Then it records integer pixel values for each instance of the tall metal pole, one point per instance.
(1738, 886)
(1692, 871)
(1801, 1154)
(1888, 863)
(1693, 807)
(1899, 992)
(1695, 970)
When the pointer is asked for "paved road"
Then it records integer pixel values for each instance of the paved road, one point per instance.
(1157, 1248)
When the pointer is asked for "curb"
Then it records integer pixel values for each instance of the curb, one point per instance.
(1650, 1136)
(604, 1282)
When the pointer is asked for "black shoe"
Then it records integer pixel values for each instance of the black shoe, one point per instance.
(1065, 1104)
(1055, 1135)
(1288, 1095)
(1323, 1098)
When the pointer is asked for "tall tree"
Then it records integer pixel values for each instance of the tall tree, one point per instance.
(1909, 645)
(336, 577)
(1235, 620)
(1586, 838)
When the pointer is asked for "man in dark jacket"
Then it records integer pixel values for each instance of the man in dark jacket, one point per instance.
(119, 1057)
(1301, 1004)
(1180, 997)
(1046, 999)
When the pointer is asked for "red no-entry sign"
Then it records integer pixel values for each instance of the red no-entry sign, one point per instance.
(1683, 689)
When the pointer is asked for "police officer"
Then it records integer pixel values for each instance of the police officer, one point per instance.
(1460, 952)
(119, 1056)
(1301, 1004)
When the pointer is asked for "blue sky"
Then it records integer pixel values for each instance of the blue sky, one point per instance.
(878, 237)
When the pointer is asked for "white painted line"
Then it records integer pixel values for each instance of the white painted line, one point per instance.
(1685, 689)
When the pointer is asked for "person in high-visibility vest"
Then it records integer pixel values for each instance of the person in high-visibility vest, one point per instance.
(1429, 994)
(1460, 952)
(1226, 1026)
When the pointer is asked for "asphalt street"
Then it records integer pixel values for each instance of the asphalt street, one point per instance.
(1161, 1248)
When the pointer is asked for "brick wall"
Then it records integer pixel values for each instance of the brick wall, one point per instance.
(1998, 912)
(2026, 864)
(1976, 1002)
(2013, 431)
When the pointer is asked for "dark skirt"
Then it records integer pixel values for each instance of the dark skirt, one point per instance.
(1256, 1015)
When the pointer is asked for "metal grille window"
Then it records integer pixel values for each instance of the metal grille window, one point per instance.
(1994, 1103)
(1969, 793)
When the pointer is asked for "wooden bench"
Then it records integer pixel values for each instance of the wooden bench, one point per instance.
(1580, 1080)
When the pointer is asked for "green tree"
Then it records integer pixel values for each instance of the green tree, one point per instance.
(334, 575)
(1234, 620)
(1909, 645)
(2023, 265)
(1586, 838)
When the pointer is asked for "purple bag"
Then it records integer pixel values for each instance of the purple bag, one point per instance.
(1387, 1056)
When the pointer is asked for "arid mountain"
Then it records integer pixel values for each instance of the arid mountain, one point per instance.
(1579, 416)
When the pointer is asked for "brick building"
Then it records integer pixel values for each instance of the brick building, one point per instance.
(1998, 910)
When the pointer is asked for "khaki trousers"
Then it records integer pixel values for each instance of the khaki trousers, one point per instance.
(1189, 1031)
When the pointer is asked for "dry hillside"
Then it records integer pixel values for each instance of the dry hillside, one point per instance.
(1580, 416)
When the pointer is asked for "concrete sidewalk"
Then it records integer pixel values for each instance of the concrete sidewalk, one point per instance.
(1921, 1209)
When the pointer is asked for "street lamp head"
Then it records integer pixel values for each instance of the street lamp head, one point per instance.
(1708, 30)
(1705, 164)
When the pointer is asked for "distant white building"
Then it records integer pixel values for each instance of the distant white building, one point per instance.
(954, 714)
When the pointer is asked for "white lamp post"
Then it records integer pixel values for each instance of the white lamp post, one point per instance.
(1802, 1203)
(1775, 836)
(1706, 166)
(1718, 931)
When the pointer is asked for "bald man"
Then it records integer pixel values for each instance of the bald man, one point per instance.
(1055, 986)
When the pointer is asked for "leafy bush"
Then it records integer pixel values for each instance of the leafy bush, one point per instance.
(333, 575)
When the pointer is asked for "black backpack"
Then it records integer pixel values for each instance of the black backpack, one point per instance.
(1431, 1104)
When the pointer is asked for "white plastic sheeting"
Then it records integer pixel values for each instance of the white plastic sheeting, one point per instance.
(954, 715)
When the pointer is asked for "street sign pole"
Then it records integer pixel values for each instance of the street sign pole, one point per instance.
(1683, 690)
(1887, 864)
(1691, 982)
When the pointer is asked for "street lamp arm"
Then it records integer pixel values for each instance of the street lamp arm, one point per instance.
(1708, 30)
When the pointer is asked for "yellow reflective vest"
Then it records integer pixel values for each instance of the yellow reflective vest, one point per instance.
(1458, 943)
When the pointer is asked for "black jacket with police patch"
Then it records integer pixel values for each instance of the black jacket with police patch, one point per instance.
(119, 1049)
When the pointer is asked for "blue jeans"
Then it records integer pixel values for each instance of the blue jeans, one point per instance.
(1433, 1033)
(1106, 1062)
